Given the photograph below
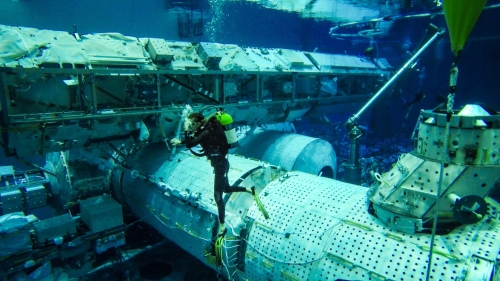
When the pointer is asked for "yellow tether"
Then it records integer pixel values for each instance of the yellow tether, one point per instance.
(218, 250)
(260, 206)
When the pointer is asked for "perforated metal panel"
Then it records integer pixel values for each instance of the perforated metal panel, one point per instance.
(320, 230)
(424, 179)
(407, 164)
(303, 213)
(465, 137)
(419, 190)
(187, 212)
(410, 187)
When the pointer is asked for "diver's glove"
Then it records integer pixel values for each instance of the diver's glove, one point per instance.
(187, 124)
(175, 141)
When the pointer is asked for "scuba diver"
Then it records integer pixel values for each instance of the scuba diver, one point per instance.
(210, 135)
(418, 93)
(417, 97)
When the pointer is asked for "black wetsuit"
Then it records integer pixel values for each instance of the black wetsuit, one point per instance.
(212, 139)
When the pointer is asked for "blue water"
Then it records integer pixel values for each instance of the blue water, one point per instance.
(251, 24)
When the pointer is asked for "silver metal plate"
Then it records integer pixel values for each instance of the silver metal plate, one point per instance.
(322, 231)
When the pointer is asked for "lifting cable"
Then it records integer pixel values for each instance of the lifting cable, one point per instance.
(444, 158)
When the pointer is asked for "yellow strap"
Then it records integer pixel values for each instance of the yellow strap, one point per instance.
(461, 16)
(260, 206)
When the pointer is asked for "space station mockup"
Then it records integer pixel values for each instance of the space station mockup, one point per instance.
(100, 109)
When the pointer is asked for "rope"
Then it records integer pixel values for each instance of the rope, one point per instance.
(444, 160)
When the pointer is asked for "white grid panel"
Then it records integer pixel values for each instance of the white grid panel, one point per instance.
(291, 242)
(319, 229)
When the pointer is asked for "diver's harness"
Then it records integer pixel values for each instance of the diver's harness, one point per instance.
(226, 121)
(214, 146)
(204, 154)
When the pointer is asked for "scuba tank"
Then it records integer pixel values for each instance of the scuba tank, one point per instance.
(227, 123)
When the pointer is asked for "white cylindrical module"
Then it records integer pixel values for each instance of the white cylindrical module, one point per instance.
(292, 152)
(319, 228)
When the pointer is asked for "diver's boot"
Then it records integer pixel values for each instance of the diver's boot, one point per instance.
(222, 230)
(251, 190)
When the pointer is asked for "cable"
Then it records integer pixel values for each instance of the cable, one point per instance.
(444, 159)
(218, 250)
(169, 226)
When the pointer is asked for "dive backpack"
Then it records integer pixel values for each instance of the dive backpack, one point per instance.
(227, 124)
